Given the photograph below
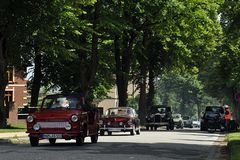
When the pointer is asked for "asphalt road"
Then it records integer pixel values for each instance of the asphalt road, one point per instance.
(188, 144)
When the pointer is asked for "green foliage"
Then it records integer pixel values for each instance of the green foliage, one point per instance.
(184, 92)
(233, 140)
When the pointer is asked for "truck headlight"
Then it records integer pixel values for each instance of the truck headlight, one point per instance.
(74, 118)
(68, 126)
(30, 119)
(36, 127)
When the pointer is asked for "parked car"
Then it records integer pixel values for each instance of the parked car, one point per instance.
(213, 118)
(196, 124)
(187, 122)
(178, 121)
(159, 115)
(63, 116)
(121, 119)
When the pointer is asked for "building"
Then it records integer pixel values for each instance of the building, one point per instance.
(112, 101)
(15, 94)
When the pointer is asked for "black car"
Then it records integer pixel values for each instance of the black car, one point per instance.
(213, 118)
(159, 115)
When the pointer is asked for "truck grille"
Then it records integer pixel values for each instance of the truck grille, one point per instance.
(52, 124)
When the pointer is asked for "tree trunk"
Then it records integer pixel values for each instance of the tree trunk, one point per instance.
(143, 96)
(122, 95)
(93, 66)
(143, 108)
(123, 58)
(36, 85)
(3, 79)
(151, 91)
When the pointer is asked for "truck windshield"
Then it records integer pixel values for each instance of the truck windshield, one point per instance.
(61, 102)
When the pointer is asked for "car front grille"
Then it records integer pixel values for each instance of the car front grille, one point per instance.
(52, 124)
(157, 118)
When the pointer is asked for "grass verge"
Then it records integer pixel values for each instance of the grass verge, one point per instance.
(14, 128)
(234, 145)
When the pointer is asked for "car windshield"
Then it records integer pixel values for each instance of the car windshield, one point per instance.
(159, 109)
(215, 109)
(176, 116)
(61, 102)
(211, 114)
(119, 112)
(186, 117)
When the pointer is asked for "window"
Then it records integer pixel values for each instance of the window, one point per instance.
(8, 102)
(10, 74)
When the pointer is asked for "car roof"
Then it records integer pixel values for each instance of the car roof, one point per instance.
(161, 106)
(120, 108)
(63, 95)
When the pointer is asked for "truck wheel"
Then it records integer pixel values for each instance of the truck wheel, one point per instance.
(52, 141)
(79, 140)
(94, 138)
(34, 141)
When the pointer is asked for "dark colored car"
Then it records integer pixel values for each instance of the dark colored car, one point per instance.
(63, 117)
(121, 119)
(213, 118)
(159, 115)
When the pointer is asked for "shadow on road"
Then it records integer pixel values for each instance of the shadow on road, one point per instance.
(139, 150)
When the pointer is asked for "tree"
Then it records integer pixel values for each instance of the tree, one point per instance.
(222, 79)
(11, 12)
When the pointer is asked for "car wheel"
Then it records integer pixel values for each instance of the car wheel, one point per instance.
(94, 138)
(171, 127)
(80, 140)
(52, 141)
(167, 128)
(34, 141)
(109, 133)
(151, 128)
(155, 128)
(133, 131)
(101, 133)
(138, 131)
(147, 128)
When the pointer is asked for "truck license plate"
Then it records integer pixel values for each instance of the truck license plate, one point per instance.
(52, 136)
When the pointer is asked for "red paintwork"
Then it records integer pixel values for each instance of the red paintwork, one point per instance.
(62, 115)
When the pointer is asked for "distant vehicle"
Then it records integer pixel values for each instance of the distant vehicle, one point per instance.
(63, 116)
(213, 118)
(187, 122)
(159, 115)
(178, 121)
(196, 124)
(121, 119)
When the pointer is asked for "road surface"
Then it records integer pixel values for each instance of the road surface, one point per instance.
(188, 144)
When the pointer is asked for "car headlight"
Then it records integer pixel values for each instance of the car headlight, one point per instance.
(30, 119)
(120, 123)
(109, 123)
(68, 126)
(74, 118)
(36, 127)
